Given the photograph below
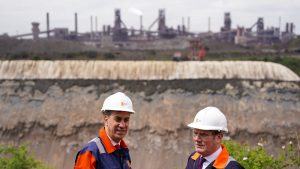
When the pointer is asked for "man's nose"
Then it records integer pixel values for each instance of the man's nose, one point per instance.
(122, 123)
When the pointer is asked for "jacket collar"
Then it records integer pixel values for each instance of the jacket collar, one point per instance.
(221, 160)
(107, 143)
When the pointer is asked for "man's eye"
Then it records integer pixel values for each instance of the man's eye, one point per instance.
(118, 119)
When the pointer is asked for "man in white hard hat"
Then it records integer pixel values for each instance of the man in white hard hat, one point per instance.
(208, 127)
(109, 150)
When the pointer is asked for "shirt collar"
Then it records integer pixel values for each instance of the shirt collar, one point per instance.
(111, 140)
(213, 156)
(109, 147)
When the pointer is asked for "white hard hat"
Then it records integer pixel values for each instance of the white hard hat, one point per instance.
(118, 102)
(209, 118)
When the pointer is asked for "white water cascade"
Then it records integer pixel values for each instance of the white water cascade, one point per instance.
(145, 70)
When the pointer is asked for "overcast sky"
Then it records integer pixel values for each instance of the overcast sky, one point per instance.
(16, 15)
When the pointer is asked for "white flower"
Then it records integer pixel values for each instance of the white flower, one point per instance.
(260, 144)
(283, 147)
(290, 142)
(245, 158)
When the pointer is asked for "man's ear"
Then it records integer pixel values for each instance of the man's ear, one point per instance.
(220, 136)
(105, 117)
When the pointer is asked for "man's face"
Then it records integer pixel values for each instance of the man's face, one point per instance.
(206, 142)
(116, 125)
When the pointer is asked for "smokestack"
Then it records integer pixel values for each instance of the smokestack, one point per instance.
(48, 25)
(92, 24)
(292, 27)
(76, 24)
(279, 23)
(92, 27)
(96, 23)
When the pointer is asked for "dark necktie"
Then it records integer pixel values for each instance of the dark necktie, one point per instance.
(117, 146)
(201, 161)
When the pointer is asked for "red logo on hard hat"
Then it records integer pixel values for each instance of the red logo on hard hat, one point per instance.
(123, 103)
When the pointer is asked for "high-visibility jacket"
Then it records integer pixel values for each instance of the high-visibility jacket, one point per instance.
(100, 153)
(223, 161)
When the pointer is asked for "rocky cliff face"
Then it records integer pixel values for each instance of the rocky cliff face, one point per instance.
(57, 116)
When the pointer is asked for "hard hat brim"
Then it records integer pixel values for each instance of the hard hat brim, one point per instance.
(124, 110)
(205, 127)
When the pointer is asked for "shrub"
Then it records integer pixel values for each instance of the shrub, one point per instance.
(92, 54)
(18, 158)
(258, 158)
(291, 62)
(35, 57)
(109, 55)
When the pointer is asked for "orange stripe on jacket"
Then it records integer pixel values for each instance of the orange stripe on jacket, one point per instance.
(222, 159)
(195, 156)
(85, 161)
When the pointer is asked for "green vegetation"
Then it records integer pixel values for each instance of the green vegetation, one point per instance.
(294, 43)
(109, 56)
(257, 158)
(12, 157)
(290, 62)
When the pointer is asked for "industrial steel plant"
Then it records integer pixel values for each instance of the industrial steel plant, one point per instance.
(119, 34)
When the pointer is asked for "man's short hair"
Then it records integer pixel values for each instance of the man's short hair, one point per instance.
(107, 112)
(216, 132)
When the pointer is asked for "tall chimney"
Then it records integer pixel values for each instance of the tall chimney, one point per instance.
(279, 23)
(292, 27)
(76, 25)
(96, 24)
(141, 23)
(48, 25)
(91, 27)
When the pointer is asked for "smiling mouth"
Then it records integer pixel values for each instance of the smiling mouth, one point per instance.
(121, 131)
